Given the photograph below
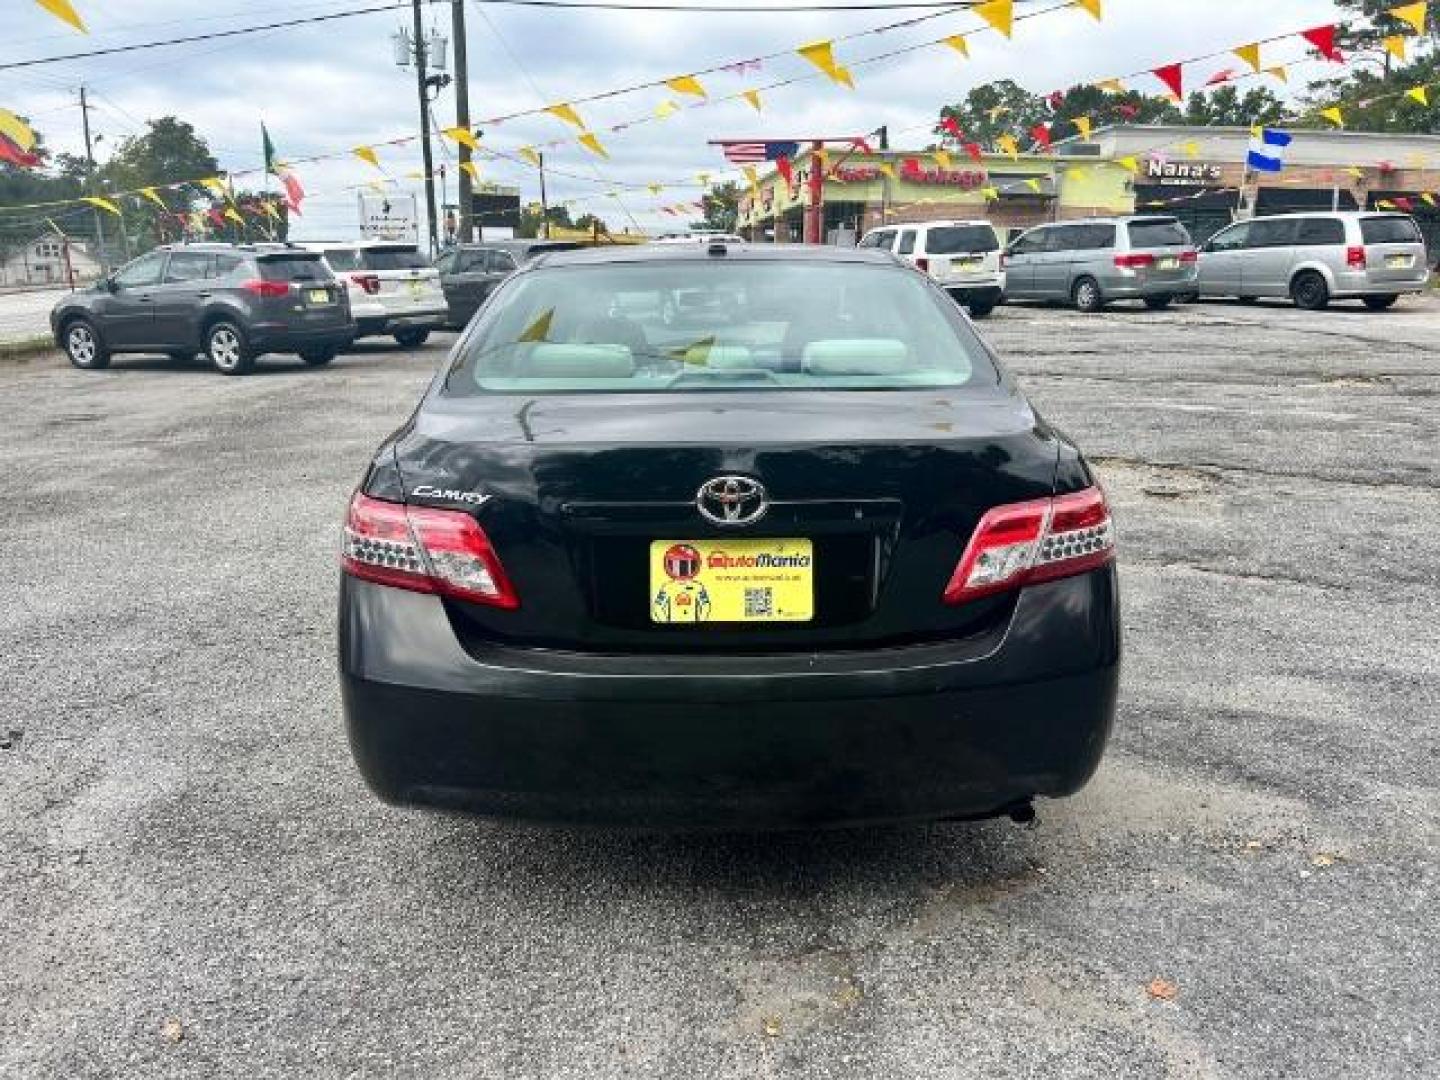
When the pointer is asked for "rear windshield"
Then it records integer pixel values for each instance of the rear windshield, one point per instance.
(1389, 230)
(1159, 232)
(294, 268)
(394, 259)
(343, 260)
(952, 239)
(708, 325)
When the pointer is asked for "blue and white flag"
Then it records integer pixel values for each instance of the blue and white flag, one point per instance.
(1267, 150)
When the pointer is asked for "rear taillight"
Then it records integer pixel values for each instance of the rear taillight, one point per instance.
(1355, 258)
(923, 265)
(444, 552)
(1029, 542)
(271, 290)
(1189, 255)
(1134, 261)
(369, 282)
(1004, 259)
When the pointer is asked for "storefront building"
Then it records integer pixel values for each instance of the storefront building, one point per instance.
(1197, 174)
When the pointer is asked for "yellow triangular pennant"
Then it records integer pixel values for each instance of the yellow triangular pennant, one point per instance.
(1395, 46)
(1083, 126)
(1250, 54)
(990, 192)
(65, 12)
(1092, 6)
(463, 136)
(886, 169)
(666, 108)
(1129, 163)
(942, 159)
(1007, 143)
(753, 97)
(154, 196)
(215, 186)
(233, 215)
(367, 154)
(1033, 184)
(1428, 199)
(821, 54)
(1334, 115)
(1111, 86)
(471, 168)
(1280, 72)
(539, 330)
(1419, 93)
(998, 13)
(530, 155)
(567, 113)
(686, 84)
(591, 143)
(1414, 14)
(16, 130)
(655, 189)
(959, 44)
(1356, 171)
(1191, 148)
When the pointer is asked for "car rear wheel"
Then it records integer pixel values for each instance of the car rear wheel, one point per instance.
(1156, 303)
(981, 309)
(1309, 291)
(84, 347)
(318, 357)
(412, 339)
(227, 350)
(1380, 303)
(1087, 295)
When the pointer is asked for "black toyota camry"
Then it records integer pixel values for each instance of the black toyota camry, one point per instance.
(727, 537)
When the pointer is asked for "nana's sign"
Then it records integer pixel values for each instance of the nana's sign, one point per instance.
(1182, 172)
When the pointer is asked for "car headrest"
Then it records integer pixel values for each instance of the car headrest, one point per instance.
(728, 357)
(856, 356)
(548, 360)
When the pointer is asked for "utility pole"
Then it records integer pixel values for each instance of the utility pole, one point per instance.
(90, 181)
(462, 117)
(544, 206)
(420, 84)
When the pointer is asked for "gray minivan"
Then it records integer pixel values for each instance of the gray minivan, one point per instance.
(1092, 262)
(1317, 257)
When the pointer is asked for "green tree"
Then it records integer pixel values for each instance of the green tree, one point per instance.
(590, 222)
(1373, 98)
(1227, 107)
(168, 150)
(530, 219)
(1003, 107)
(722, 208)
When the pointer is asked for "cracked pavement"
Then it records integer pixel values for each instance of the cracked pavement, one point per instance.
(197, 884)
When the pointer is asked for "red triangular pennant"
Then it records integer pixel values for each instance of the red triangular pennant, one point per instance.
(1172, 75)
(950, 124)
(782, 166)
(1041, 134)
(1323, 38)
(973, 149)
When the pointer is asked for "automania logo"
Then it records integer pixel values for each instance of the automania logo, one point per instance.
(720, 560)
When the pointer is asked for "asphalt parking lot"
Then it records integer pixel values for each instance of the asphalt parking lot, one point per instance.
(196, 883)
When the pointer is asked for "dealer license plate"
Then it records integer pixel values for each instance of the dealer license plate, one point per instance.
(318, 296)
(1398, 262)
(971, 264)
(1168, 263)
(416, 288)
(732, 581)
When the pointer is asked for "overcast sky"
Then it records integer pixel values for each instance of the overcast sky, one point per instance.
(327, 87)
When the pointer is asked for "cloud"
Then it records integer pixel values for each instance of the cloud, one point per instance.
(327, 87)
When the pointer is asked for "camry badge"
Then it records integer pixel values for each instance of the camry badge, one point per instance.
(731, 500)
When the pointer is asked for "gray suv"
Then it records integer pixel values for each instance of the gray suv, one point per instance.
(1315, 258)
(469, 272)
(1092, 262)
(230, 302)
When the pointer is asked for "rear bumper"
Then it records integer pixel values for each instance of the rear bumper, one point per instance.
(952, 730)
(370, 326)
(1366, 283)
(969, 294)
(267, 337)
(1134, 286)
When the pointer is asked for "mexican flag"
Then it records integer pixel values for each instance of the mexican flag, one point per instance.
(293, 191)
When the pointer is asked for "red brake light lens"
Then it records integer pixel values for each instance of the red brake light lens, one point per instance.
(923, 265)
(444, 552)
(271, 290)
(1355, 258)
(368, 282)
(1029, 542)
(1189, 255)
(1134, 260)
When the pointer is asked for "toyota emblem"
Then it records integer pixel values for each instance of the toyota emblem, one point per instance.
(731, 500)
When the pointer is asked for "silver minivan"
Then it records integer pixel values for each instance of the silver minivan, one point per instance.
(1315, 258)
(1092, 262)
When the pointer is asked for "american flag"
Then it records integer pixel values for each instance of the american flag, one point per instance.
(748, 153)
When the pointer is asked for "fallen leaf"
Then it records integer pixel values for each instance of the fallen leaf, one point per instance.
(1162, 990)
(1324, 858)
(771, 1026)
(1253, 845)
(172, 1031)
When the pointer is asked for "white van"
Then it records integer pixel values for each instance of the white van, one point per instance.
(962, 256)
(393, 288)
